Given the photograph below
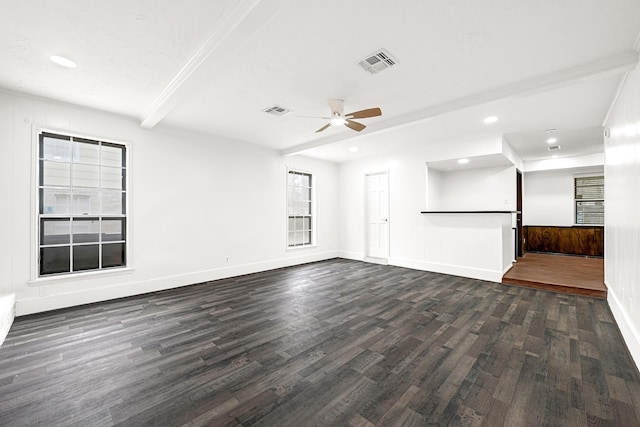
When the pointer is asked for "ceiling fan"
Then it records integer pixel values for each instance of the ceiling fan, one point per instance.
(339, 118)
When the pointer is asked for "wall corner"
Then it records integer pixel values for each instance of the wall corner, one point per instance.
(629, 332)
(7, 314)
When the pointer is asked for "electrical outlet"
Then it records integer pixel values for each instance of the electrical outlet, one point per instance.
(226, 259)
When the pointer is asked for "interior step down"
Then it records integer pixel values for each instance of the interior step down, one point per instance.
(573, 290)
(576, 275)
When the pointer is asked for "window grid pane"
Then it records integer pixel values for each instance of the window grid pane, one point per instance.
(82, 193)
(589, 212)
(55, 173)
(86, 257)
(589, 200)
(86, 230)
(589, 188)
(55, 260)
(299, 208)
(113, 255)
(86, 152)
(55, 231)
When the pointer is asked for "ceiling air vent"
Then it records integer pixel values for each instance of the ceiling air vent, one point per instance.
(553, 148)
(277, 110)
(378, 61)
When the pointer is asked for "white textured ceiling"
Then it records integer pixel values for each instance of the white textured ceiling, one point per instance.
(213, 67)
(127, 51)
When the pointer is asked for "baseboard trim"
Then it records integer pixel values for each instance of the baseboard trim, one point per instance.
(627, 329)
(374, 260)
(25, 307)
(454, 270)
(507, 268)
(355, 256)
(7, 314)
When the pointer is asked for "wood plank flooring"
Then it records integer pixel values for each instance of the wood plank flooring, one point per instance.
(576, 275)
(334, 343)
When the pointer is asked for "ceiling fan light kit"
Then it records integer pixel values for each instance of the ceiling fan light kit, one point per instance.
(337, 121)
(338, 118)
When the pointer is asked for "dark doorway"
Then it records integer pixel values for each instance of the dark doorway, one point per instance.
(518, 213)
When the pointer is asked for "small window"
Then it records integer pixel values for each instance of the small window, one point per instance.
(589, 200)
(82, 208)
(300, 205)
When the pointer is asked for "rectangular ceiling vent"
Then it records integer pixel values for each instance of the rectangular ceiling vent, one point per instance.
(553, 148)
(277, 110)
(378, 61)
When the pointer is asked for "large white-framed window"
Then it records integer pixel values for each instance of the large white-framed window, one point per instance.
(589, 200)
(300, 209)
(81, 204)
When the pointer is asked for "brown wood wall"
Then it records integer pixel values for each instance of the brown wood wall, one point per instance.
(580, 240)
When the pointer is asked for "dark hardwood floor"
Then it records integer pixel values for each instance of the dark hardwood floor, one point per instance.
(576, 275)
(334, 343)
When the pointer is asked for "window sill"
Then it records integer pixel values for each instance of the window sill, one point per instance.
(297, 248)
(65, 278)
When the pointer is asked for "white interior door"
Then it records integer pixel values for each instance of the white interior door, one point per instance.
(377, 188)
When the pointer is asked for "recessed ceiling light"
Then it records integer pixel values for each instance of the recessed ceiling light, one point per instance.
(555, 156)
(463, 161)
(552, 140)
(490, 119)
(353, 149)
(65, 62)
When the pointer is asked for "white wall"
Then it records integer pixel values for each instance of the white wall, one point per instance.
(622, 221)
(195, 200)
(492, 188)
(468, 245)
(434, 185)
(7, 314)
(7, 213)
(548, 196)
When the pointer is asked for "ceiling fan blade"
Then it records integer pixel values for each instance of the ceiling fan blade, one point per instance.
(354, 125)
(323, 127)
(363, 114)
(337, 106)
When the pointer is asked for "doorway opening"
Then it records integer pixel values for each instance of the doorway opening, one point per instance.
(519, 241)
(377, 217)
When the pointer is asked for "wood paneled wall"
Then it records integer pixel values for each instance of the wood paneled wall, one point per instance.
(579, 240)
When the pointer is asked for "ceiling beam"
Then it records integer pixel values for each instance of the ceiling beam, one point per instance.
(243, 21)
(615, 64)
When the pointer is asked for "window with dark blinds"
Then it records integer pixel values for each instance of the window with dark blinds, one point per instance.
(589, 200)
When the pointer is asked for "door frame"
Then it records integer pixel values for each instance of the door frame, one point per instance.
(367, 257)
